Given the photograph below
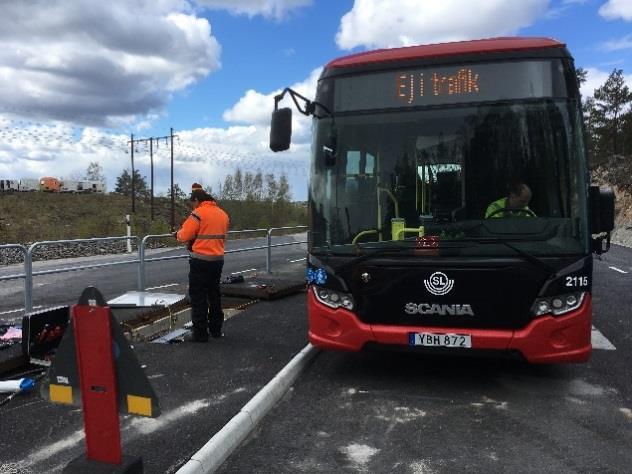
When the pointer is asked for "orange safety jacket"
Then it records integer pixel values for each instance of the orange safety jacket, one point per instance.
(207, 227)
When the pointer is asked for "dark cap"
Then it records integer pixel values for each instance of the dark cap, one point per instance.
(197, 192)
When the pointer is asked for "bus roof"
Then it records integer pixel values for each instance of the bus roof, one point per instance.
(491, 45)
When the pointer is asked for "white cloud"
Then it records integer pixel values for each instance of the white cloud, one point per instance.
(617, 9)
(277, 9)
(618, 44)
(388, 23)
(596, 78)
(215, 152)
(560, 10)
(32, 150)
(100, 63)
(256, 108)
(204, 155)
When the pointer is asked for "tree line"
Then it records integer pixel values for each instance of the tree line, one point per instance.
(608, 119)
(252, 200)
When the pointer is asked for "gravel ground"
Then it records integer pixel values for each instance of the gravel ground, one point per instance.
(622, 236)
(12, 256)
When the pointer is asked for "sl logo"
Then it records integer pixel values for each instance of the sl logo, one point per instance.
(438, 284)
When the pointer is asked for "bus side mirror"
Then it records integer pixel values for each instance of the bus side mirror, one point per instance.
(601, 209)
(281, 129)
(601, 217)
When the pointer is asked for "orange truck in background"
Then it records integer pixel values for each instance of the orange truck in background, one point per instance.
(50, 184)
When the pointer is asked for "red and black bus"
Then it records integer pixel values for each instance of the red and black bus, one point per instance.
(410, 147)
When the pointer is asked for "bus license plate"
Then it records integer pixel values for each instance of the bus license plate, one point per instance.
(429, 339)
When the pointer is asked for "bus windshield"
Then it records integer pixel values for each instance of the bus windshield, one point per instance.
(436, 171)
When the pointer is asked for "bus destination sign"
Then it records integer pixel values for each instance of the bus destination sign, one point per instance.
(411, 86)
(446, 85)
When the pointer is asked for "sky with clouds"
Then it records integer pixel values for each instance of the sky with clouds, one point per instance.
(77, 77)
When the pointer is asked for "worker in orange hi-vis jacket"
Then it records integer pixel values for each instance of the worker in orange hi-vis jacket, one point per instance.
(205, 231)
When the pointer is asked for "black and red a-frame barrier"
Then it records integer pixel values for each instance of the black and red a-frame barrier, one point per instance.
(95, 368)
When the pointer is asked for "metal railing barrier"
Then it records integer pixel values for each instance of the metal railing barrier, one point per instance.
(269, 254)
(19, 275)
(141, 260)
(28, 264)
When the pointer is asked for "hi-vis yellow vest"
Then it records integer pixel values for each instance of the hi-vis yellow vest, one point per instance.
(502, 204)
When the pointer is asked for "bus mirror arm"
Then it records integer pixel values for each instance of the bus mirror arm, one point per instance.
(281, 123)
(309, 106)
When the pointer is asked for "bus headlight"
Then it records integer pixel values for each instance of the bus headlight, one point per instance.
(333, 299)
(558, 304)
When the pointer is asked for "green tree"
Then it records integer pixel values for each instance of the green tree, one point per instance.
(627, 132)
(582, 76)
(228, 191)
(238, 185)
(248, 191)
(257, 186)
(594, 123)
(124, 184)
(283, 191)
(95, 172)
(611, 102)
(271, 188)
(178, 193)
(263, 202)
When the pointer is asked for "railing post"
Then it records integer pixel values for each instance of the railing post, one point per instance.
(129, 233)
(141, 264)
(28, 279)
(269, 254)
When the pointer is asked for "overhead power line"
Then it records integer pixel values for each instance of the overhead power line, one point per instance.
(169, 141)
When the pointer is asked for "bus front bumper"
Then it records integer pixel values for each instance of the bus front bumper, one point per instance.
(546, 339)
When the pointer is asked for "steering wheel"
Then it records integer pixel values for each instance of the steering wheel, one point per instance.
(516, 210)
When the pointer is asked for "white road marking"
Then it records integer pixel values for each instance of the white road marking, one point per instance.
(162, 286)
(244, 271)
(18, 310)
(146, 426)
(298, 260)
(49, 450)
(139, 426)
(618, 270)
(599, 341)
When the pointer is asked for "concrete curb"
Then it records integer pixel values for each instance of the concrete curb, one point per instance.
(226, 440)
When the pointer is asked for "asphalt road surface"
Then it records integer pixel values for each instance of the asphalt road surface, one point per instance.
(405, 413)
(369, 412)
(170, 276)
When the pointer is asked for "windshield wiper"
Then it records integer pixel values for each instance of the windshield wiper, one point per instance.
(377, 251)
(542, 265)
(396, 249)
(548, 269)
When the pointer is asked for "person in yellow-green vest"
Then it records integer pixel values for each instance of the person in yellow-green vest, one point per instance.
(515, 204)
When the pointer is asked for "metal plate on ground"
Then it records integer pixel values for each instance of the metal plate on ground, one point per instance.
(235, 302)
(268, 288)
(170, 337)
(144, 299)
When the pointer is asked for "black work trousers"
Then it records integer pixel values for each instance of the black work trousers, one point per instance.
(206, 305)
